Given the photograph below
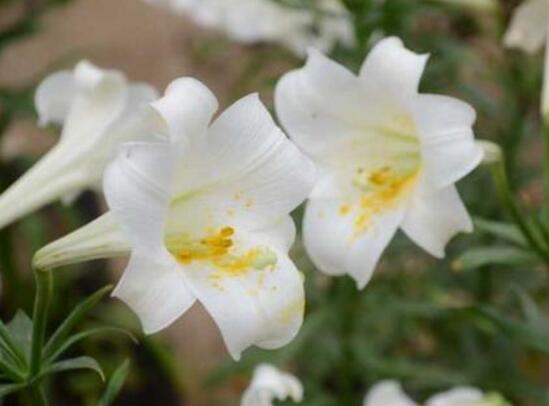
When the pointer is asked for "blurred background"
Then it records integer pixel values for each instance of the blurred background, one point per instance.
(477, 317)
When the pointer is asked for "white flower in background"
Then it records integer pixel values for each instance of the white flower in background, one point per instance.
(98, 109)
(388, 157)
(390, 393)
(269, 384)
(253, 21)
(529, 26)
(204, 210)
(528, 31)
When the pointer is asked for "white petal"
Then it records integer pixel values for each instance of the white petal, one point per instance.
(140, 94)
(54, 96)
(387, 393)
(244, 172)
(528, 29)
(460, 396)
(316, 111)
(391, 73)
(100, 98)
(334, 245)
(434, 216)
(153, 286)
(137, 187)
(268, 384)
(186, 109)
(262, 307)
(447, 141)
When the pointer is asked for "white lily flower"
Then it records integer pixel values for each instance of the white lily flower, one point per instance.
(528, 31)
(388, 157)
(390, 393)
(204, 210)
(269, 384)
(253, 21)
(98, 109)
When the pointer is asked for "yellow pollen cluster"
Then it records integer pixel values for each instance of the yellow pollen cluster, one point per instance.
(381, 189)
(217, 249)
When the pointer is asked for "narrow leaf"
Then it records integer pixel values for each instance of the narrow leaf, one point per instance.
(506, 231)
(535, 337)
(529, 308)
(20, 329)
(85, 334)
(10, 341)
(115, 384)
(72, 364)
(6, 389)
(76, 315)
(478, 257)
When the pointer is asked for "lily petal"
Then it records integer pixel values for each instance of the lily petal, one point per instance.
(447, 141)
(458, 396)
(54, 96)
(528, 29)
(262, 307)
(342, 250)
(301, 104)
(387, 393)
(243, 172)
(154, 287)
(101, 98)
(434, 216)
(268, 384)
(391, 73)
(186, 109)
(137, 186)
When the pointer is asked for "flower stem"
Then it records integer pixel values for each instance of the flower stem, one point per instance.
(506, 196)
(38, 397)
(545, 208)
(42, 300)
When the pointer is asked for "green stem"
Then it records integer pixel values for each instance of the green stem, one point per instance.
(40, 315)
(37, 395)
(506, 196)
(545, 209)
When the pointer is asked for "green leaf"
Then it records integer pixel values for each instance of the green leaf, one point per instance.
(60, 335)
(85, 334)
(9, 388)
(529, 308)
(535, 336)
(20, 329)
(115, 384)
(14, 344)
(506, 231)
(502, 255)
(72, 364)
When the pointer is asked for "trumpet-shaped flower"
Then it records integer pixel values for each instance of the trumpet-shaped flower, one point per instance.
(528, 31)
(252, 21)
(269, 384)
(204, 210)
(388, 157)
(390, 393)
(98, 111)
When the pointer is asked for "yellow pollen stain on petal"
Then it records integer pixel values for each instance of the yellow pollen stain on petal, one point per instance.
(293, 309)
(381, 190)
(218, 250)
(345, 209)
